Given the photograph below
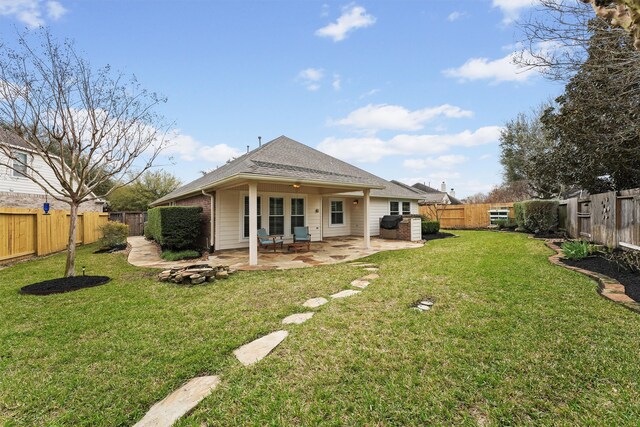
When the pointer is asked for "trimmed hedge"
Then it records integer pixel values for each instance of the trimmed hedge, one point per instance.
(537, 216)
(430, 227)
(174, 227)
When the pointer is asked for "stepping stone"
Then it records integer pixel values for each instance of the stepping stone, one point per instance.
(345, 293)
(370, 277)
(424, 307)
(426, 302)
(362, 264)
(297, 318)
(360, 283)
(315, 302)
(167, 411)
(258, 349)
(372, 269)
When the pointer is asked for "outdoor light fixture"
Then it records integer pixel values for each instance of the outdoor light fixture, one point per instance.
(296, 186)
(46, 205)
(355, 202)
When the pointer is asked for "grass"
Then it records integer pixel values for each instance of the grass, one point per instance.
(511, 339)
(180, 255)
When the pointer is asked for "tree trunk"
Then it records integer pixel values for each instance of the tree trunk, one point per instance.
(70, 269)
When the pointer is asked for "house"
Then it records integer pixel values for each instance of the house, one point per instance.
(432, 196)
(19, 191)
(283, 184)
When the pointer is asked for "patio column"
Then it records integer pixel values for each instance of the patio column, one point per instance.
(253, 223)
(367, 230)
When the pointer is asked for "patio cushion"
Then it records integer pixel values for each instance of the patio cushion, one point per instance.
(301, 234)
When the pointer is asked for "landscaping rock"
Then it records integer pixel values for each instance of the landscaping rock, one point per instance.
(256, 350)
(370, 277)
(195, 274)
(298, 318)
(426, 302)
(424, 307)
(315, 302)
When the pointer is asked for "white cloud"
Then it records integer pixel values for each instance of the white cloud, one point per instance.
(497, 70)
(55, 10)
(395, 117)
(337, 82)
(447, 161)
(325, 10)
(485, 157)
(372, 149)
(454, 16)
(219, 153)
(352, 18)
(369, 93)
(511, 8)
(311, 77)
(30, 12)
(187, 148)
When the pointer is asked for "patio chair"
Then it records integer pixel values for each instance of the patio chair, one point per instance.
(301, 236)
(266, 241)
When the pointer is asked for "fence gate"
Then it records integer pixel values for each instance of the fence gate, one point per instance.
(584, 218)
(628, 221)
(135, 221)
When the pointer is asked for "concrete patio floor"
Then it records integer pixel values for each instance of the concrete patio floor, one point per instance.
(329, 251)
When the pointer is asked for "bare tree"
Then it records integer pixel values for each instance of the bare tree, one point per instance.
(89, 126)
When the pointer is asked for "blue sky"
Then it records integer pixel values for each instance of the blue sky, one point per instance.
(408, 90)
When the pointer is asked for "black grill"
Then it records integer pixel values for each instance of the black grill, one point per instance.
(390, 222)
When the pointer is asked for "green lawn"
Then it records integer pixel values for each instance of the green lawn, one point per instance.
(510, 340)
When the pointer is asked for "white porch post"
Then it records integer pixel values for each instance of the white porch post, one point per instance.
(253, 223)
(367, 229)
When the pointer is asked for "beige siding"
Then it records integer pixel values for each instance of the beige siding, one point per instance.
(229, 216)
(336, 230)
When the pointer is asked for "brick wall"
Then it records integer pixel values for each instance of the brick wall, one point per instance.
(35, 201)
(205, 203)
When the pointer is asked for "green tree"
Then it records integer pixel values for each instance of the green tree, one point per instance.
(137, 195)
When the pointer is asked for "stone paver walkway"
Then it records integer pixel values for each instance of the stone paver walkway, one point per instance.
(258, 349)
(298, 318)
(171, 408)
(345, 293)
(315, 302)
(144, 253)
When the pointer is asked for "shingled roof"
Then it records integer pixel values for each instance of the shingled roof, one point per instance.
(285, 158)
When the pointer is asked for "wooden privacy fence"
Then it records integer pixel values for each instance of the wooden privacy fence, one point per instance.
(465, 216)
(135, 221)
(25, 232)
(611, 219)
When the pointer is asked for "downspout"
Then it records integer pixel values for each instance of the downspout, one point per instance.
(211, 221)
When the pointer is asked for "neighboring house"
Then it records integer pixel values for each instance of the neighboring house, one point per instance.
(289, 184)
(19, 191)
(431, 196)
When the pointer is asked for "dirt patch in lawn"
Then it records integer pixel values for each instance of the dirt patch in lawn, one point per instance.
(598, 264)
(64, 284)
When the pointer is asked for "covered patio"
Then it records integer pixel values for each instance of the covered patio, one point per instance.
(331, 250)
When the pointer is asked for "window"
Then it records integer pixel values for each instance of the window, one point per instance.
(246, 216)
(276, 215)
(406, 208)
(297, 213)
(337, 212)
(20, 164)
(394, 208)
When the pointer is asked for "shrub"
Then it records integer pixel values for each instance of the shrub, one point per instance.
(114, 234)
(430, 227)
(180, 255)
(174, 227)
(536, 216)
(506, 224)
(577, 249)
(518, 210)
(626, 259)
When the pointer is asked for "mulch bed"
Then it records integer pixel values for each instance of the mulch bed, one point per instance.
(111, 250)
(436, 236)
(598, 264)
(64, 284)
